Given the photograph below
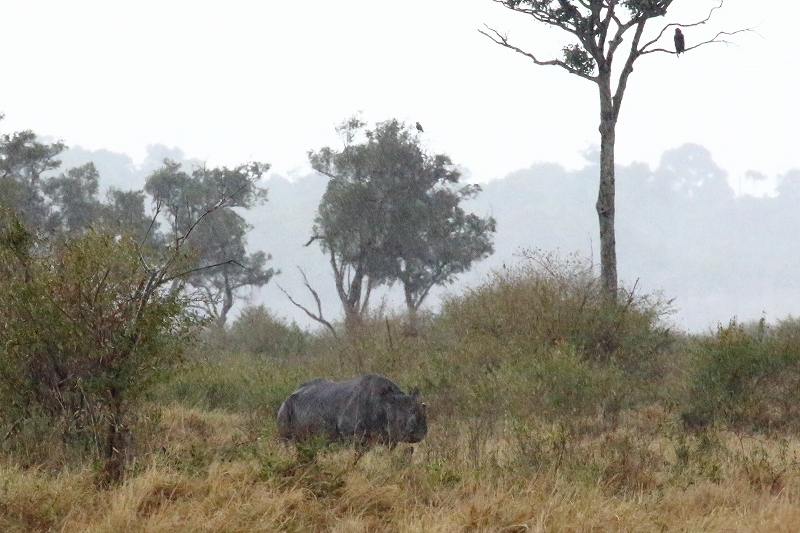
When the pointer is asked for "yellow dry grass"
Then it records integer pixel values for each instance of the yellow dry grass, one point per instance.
(629, 479)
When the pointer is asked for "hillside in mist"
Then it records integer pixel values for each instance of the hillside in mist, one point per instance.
(681, 230)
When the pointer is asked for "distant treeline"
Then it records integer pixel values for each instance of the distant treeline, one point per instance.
(680, 229)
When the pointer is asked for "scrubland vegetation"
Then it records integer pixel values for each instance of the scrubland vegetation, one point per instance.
(549, 410)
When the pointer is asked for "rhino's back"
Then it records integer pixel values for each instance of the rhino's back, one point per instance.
(335, 409)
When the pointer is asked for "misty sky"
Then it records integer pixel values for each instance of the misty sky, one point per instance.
(232, 81)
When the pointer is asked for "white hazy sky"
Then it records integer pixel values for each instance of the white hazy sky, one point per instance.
(237, 80)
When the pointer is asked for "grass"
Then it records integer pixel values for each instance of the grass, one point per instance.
(645, 475)
(535, 425)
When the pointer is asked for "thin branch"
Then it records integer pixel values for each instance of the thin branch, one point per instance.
(502, 40)
(305, 309)
(199, 269)
(643, 50)
(424, 294)
(661, 33)
(314, 238)
(14, 428)
(219, 204)
(710, 41)
(152, 223)
(538, 15)
(614, 43)
(157, 277)
(606, 24)
(318, 317)
(147, 268)
(100, 286)
(627, 69)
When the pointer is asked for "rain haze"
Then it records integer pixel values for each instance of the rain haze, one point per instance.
(226, 83)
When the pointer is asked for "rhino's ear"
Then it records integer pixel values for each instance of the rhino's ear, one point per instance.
(414, 392)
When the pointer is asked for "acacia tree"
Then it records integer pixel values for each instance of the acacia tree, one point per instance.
(599, 26)
(443, 243)
(23, 162)
(93, 318)
(221, 241)
(391, 213)
(216, 237)
(88, 327)
(75, 194)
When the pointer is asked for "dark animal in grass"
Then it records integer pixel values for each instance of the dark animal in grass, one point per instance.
(680, 43)
(367, 410)
(695, 421)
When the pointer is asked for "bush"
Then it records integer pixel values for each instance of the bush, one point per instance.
(86, 330)
(748, 376)
(235, 382)
(258, 331)
(541, 342)
(548, 299)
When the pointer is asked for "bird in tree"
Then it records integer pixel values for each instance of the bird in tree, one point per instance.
(680, 43)
(419, 127)
(595, 29)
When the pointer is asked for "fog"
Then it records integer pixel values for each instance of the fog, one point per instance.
(682, 230)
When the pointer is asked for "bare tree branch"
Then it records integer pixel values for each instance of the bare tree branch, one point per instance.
(152, 223)
(200, 269)
(318, 317)
(502, 40)
(661, 33)
(157, 276)
(314, 238)
(627, 69)
(217, 205)
(643, 50)
(715, 39)
(606, 24)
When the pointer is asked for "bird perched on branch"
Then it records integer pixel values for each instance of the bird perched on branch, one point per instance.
(419, 127)
(680, 43)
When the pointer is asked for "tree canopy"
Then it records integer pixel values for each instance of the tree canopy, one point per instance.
(70, 203)
(391, 212)
(23, 162)
(216, 235)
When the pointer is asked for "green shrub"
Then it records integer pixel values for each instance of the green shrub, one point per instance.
(235, 382)
(87, 329)
(258, 331)
(748, 377)
(553, 386)
(548, 299)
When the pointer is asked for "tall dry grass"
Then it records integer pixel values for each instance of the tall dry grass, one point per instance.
(548, 411)
(645, 475)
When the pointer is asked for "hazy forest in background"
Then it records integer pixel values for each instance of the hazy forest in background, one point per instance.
(682, 229)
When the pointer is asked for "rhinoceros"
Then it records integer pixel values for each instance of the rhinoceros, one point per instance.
(367, 410)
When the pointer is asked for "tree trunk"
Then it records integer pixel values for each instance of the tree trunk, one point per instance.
(117, 453)
(227, 302)
(118, 441)
(605, 196)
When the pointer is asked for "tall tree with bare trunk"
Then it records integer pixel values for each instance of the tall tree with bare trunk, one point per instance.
(600, 27)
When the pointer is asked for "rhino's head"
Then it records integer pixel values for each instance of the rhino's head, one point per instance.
(406, 418)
